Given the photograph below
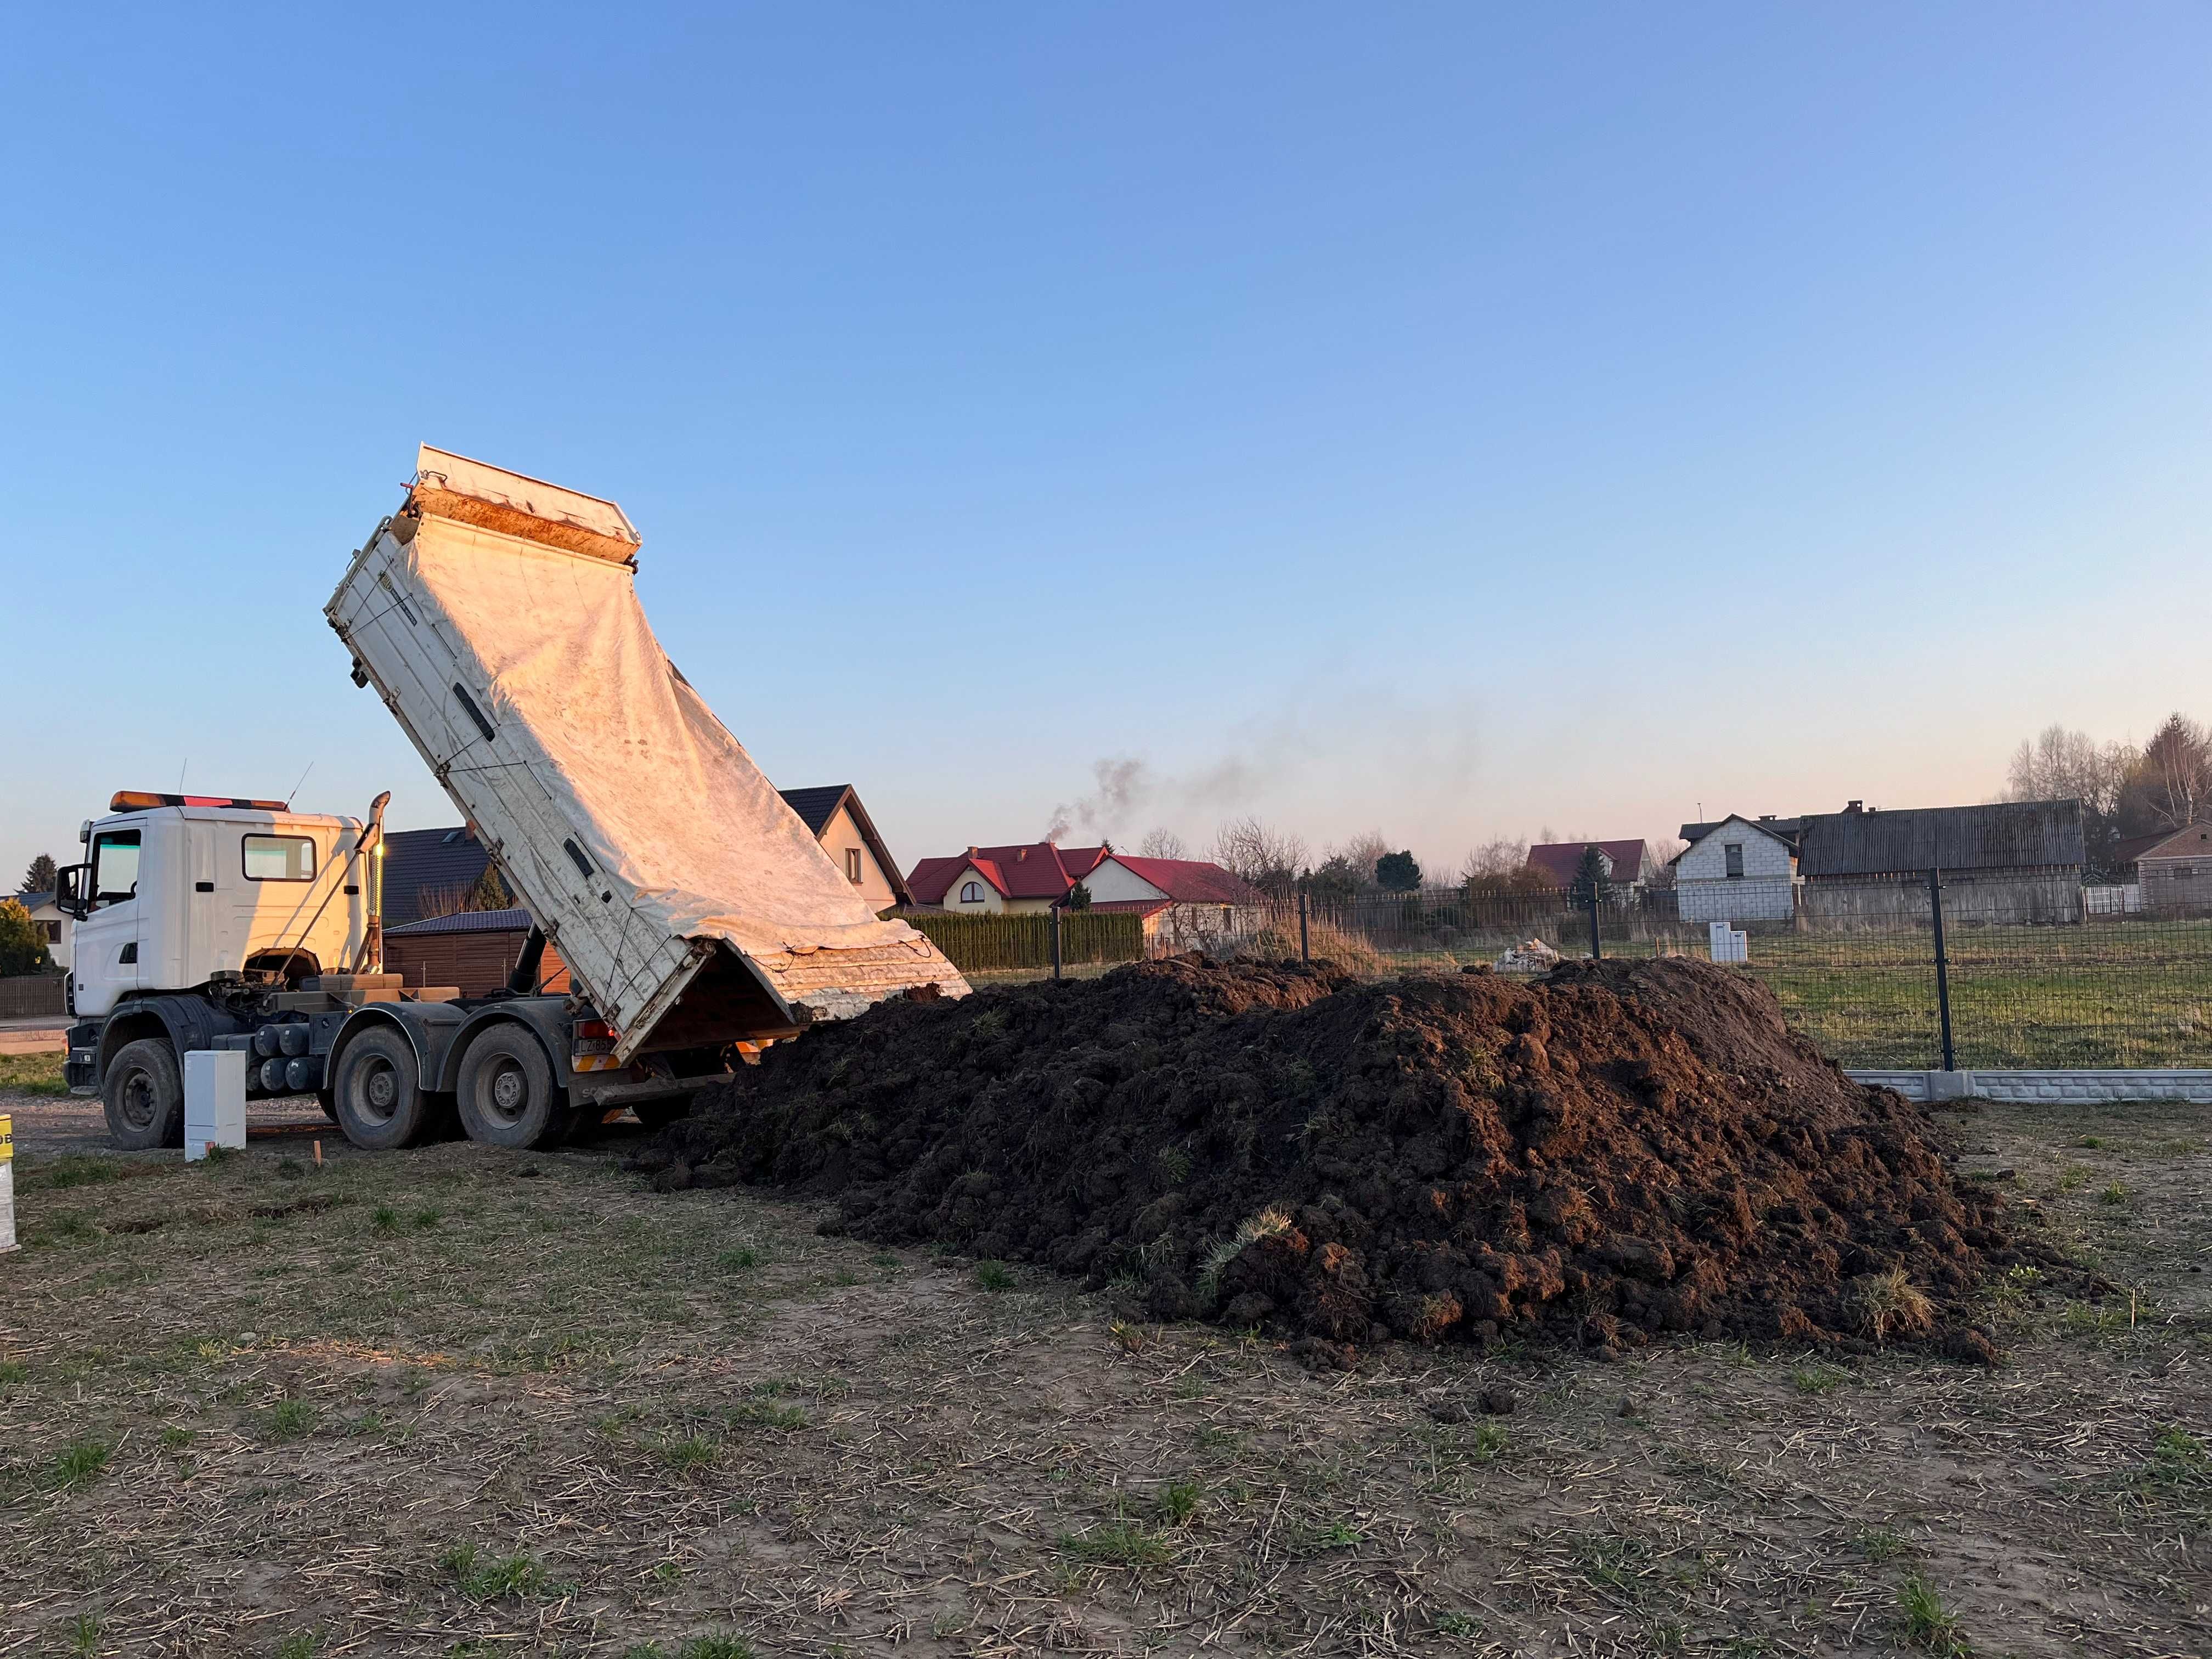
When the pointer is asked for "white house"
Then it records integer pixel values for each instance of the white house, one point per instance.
(1738, 870)
(51, 922)
(1187, 905)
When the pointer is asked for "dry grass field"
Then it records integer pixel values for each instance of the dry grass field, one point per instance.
(459, 1401)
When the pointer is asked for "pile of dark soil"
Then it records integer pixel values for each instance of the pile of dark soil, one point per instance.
(1617, 1151)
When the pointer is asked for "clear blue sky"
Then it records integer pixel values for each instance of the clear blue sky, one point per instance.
(1449, 420)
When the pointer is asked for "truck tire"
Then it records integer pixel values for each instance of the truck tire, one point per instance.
(378, 1092)
(144, 1096)
(505, 1093)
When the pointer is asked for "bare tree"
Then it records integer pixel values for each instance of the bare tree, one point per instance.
(1361, 853)
(1269, 859)
(2170, 786)
(1162, 844)
(1500, 866)
(1665, 849)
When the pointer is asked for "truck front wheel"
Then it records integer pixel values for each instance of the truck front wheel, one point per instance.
(144, 1097)
(378, 1092)
(506, 1095)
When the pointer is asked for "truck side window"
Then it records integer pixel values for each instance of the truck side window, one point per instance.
(114, 868)
(280, 857)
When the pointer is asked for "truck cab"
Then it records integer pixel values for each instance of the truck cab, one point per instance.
(175, 891)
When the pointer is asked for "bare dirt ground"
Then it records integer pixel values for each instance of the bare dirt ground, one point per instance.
(460, 1401)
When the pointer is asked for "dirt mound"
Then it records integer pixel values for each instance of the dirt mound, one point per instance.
(1619, 1150)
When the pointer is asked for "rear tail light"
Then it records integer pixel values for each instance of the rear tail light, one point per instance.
(592, 1046)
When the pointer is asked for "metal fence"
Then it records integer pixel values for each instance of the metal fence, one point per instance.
(1942, 976)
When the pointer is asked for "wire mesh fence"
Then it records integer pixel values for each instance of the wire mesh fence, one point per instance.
(2109, 988)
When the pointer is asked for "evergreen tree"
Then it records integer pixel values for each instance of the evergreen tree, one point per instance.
(1398, 872)
(1592, 878)
(489, 893)
(41, 876)
(1078, 897)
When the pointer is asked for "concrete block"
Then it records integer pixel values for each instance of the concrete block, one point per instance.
(215, 1101)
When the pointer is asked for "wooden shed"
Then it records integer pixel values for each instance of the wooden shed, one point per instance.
(474, 950)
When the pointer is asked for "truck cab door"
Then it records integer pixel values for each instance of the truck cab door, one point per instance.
(106, 949)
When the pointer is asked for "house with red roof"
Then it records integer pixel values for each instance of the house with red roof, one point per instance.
(1628, 863)
(986, 881)
(1187, 905)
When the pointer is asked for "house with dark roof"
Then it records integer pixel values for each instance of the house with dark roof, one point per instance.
(2010, 863)
(431, 873)
(1738, 869)
(833, 812)
(1021, 878)
(2175, 871)
(1628, 863)
(1187, 905)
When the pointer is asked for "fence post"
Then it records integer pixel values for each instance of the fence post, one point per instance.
(1055, 941)
(1942, 968)
(1597, 946)
(1305, 944)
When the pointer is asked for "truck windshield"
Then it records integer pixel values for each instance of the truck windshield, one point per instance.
(115, 866)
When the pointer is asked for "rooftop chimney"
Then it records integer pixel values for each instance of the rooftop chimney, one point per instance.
(1855, 806)
(1022, 855)
(974, 852)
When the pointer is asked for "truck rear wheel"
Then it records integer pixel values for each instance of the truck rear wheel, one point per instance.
(144, 1096)
(378, 1092)
(506, 1093)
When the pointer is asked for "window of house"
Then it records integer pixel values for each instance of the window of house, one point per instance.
(53, 933)
(971, 892)
(853, 866)
(2184, 871)
(280, 857)
(115, 866)
(1733, 849)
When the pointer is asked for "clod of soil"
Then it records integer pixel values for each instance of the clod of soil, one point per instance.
(1618, 1151)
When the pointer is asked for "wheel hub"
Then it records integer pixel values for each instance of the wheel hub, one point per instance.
(508, 1091)
(383, 1091)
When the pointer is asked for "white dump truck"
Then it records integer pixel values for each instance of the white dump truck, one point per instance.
(496, 616)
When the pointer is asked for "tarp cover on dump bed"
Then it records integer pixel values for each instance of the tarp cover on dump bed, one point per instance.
(636, 827)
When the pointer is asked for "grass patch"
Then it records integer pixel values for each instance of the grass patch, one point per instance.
(767, 1414)
(386, 1220)
(694, 1452)
(2113, 1193)
(81, 1463)
(34, 1075)
(516, 1578)
(994, 1276)
(1817, 1379)
(1176, 1503)
(1889, 1304)
(1928, 1623)
(722, 1646)
(1116, 1544)
(1880, 1544)
(72, 1169)
(742, 1260)
(291, 1419)
(300, 1644)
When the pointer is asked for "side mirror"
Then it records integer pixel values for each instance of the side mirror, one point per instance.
(68, 897)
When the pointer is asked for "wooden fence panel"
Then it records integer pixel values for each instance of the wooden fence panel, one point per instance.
(30, 994)
(989, 944)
